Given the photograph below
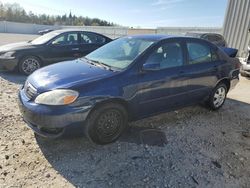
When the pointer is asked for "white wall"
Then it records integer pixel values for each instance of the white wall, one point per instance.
(184, 30)
(25, 28)
(113, 32)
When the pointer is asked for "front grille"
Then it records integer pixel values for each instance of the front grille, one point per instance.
(29, 90)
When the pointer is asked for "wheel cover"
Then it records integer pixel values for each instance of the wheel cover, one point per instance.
(109, 124)
(29, 65)
(219, 96)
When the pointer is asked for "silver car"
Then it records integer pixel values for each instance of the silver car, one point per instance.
(245, 68)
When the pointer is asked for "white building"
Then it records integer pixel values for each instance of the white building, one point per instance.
(236, 28)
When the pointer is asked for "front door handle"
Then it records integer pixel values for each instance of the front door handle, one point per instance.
(75, 49)
(182, 72)
(215, 68)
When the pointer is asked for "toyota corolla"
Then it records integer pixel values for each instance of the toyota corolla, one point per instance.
(128, 79)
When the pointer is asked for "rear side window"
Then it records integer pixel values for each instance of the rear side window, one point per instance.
(198, 53)
(91, 38)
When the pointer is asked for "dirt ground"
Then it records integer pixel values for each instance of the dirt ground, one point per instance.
(203, 149)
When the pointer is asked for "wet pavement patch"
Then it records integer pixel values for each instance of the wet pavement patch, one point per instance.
(153, 137)
(216, 163)
(145, 136)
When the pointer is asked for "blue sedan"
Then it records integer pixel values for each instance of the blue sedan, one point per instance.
(128, 79)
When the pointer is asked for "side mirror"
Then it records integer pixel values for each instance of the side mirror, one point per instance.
(151, 66)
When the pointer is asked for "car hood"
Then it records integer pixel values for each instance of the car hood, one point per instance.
(67, 74)
(16, 46)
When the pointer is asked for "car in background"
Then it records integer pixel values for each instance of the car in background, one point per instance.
(215, 38)
(42, 32)
(128, 79)
(245, 67)
(53, 47)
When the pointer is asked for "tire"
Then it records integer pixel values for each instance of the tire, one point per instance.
(218, 96)
(29, 64)
(98, 128)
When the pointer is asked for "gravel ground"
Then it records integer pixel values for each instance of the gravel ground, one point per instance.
(203, 149)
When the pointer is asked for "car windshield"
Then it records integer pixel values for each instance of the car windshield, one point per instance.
(121, 52)
(44, 38)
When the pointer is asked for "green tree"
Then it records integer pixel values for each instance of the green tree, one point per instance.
(14, 12)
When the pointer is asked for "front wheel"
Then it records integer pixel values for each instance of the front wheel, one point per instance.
(218, 96)
(106, 123)
(29, 64)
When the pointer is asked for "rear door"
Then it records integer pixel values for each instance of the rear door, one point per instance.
(90, 42)
(203, 68)
(64, 47)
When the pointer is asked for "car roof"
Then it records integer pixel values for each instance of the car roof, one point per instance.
(59, 31)
(159, 37)
(155, 37)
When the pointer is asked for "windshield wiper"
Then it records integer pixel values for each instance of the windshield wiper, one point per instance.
(88, 61)
(99, 63)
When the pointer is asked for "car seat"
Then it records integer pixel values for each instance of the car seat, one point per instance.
(72, 39)
(172, 56)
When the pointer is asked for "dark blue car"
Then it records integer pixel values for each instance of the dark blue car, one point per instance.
(128, 79)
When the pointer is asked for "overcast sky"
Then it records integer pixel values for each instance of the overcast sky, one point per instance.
(133, 13)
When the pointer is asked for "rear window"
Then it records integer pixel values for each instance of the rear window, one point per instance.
(214, 38)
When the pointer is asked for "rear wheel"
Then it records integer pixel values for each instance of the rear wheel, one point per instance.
(106, 123)
(29, 64)
(218, 96)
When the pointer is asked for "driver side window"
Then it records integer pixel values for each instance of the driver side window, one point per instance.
(66, 39)
(167, 55)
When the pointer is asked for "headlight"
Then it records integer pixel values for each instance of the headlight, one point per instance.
(7, 55)
(57, 97)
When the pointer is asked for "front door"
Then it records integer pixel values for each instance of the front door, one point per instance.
(64, 47)
(165, 88)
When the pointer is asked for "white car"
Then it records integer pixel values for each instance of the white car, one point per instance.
(245, 68)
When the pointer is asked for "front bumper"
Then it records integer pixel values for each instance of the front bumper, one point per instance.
(51, 121)
(8, 64)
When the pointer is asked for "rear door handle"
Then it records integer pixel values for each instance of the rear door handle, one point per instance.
(75, 49)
